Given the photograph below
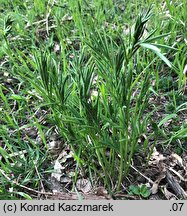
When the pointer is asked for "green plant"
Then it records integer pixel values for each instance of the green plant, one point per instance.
(21, 157)
(142, 191)
(97, 101)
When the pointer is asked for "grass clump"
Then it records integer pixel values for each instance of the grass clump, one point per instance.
(97, 101)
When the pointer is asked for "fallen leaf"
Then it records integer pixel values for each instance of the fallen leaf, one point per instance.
(156, 157)
(101, 191)
(155, 186)
(83, 185)
(57, 170)
(177, 159)
(65, 180)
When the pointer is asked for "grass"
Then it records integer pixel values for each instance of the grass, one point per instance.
(89, 70)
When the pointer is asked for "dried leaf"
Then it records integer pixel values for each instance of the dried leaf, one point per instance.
(101, 191)
(84, 185)
(155, 186)
(177, 159)
(57, 170)
(66, 180)
(56, 48)
(156, 157)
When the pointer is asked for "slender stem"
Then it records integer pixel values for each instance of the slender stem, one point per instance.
(121, 163)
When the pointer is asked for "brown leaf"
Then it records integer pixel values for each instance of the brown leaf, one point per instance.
(57, 170)
(156, 157)
(177, 159)
(84, 185)
(155, 186)
(101, 191)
